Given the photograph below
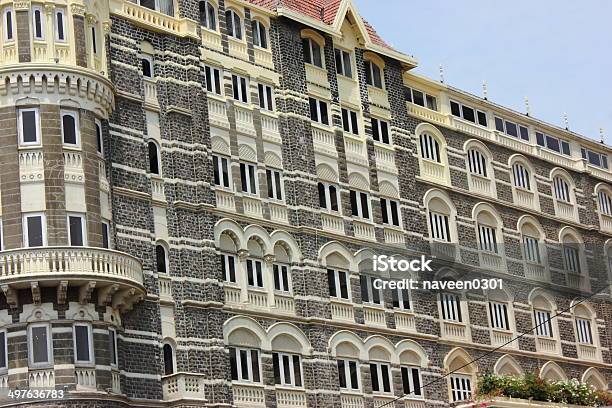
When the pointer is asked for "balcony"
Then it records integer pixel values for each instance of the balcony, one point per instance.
(454, 331)
(355, 149)
(364, 230)
(225, 200)
(284, 303)
(525, 198)
(427, 114)
(378, 97)
(547, 345)
(578, 282)
(394, 236)
(605, 222)
(405, 321)
(237, 48)
(248, 395)
(566, 210)
(263, 57)
(481, 185)
(316, 76)
(252, 206)
(278, 213)
(244, 120)
(384, 401)
(116, 276)
(433, 171)
(165, 289)
(588, 352)
(324, 141)
(536, 271)
(217, 112)
(154, 20)
(342, 310)
(211, 39)
(374, 316)
(257, 298)
(85, 378)
(491, 261)
(443, 250)
(269, 127)
(332, 223)
(503, 338)
(150, 93)
(181, 386)
(41, 378)
(385, 158)
(290, 398)
(232, 294)
(157, 190)
(352, 400)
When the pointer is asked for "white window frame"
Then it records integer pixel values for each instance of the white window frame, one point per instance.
(212, 71)
(426, 98)
(531, 249)
(114, 355)
(380, 378)
(43, 222)
(360, 210)
(20, 126)
(311, 48)
(487, 238)
(240, 88)
(347, 374)
(89, 343)
(280, 266)
(387, 204)
(77, 132)
(281, 370)
(234, 15)
(42, 23)
(427, 143)
(562, 142)
(83, 226)
(450, 304)
(412, 395)
(319, 118)
(463, 393)
(341, 70)
(338, 286)
(571, 263)
(256, 283)
(149, 59)
(264, 102)
(370, 290)
(378, 125)
(584, 335)
(4, 25)
(438, 231)
(94, 41)
(603, 158)
(260, 24)
(562, 190)
(349, 116)
(275, 175)
(250, 172)
(249, 356)
(57, 26)
(49, 361)
(225, 260)
(219, 169)
(543, 323)
(401, 300)
(519, 127)
(521, 176)
(106, 225)
(98, 125)
(208, 19)
(604, 200)
(476, 113)
(327, 208)
(499, 312)
(369, 66)
(478, 163)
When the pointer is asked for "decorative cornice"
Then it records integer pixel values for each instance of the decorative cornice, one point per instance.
(77, 10)
(22, 5)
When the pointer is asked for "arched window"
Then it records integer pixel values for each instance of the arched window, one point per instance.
(312, 52)
(260, 34)
(233, 23)
(477, 163)
(169, 364)
(561, 189)
(440, 214)
(287, 361)
(587, 338)
(154, 164)
(604, 203)
(281, 270)
(430, 147)
(348, 352)
(521, 176)
(373, 74)
(564, 196)
(574, 261)
(255, 265)
(490, 237)
(480, 169)
(208, 15)
(595, 379)
(244, 338)
(501, 318)
(161, 258)
(508, 366)
(412, 358)
(380, 370)
(534, 248)
(544, 322)
(552, 372)
(432, 154)
(462, 375)
(524, 188)
(228, 259)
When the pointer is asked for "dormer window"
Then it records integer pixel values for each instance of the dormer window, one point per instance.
(260, 34)
(312, 52)
(343, 63)
(511, 128)
(468, 113)
(373, 74)
(594, 158)
(422, 99)
(234, 24)
(553, 143)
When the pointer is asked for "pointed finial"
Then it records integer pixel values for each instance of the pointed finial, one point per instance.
(566, 121)
(527, 110)
(601, 136)
(441, 73)
(485, 92)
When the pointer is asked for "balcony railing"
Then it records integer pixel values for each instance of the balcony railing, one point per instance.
(232, 294)
(85, 378)
(525, 198)
(355, 150)
(378, 97)
(244, 120)
(566, 210)
(576, 281)
(351, 401)
(263, 57)
(317, 76)
(41, 378)
(237, 48)
(116, 382)
(165, 288)
(150, 92)
(405, 321)
(606, 222)
(547, 345)
(183, 386)
(394, 236)
(257, 298)
(157, 190)
(492, 261)
(536, 271)
(374, 316)
(433, 171)
(211, 39)
(269, 128)
(252, 206)
(324, 141)
(588, 352)
(342, 311)
(225, 200)
(443, 250)
(247, 396)
(386, 401)
(499, 338)
(154, 20)
(348, 88)
(287, 398)
(332, 223)
(481, 185)
(385, 159)
(217, 112)
(278, 213)
(454, 330)
(284, 303)
(364, 230)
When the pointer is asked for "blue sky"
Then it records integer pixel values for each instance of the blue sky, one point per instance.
(555, 52)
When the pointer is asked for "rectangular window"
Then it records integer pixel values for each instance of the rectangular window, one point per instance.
(360, 204)
(240, 87)
(318, 111)
(265, 97)
(275, 189)
(512, 129)
(348, 374)
(594, 158)
(380, 131)
(329, 197)
(440, 227)
(380, 374)
(521, 176)
(422, 99)
(487, 239)
(3, 351)
(245, 365)
(60, 25)
(228, 267)
(373, 74)
(70, 128)
(312, 52)
(411, 382)
(213, 80)
(543, 323)
(583, 329)
(37, 23)
(468, 113)
(350, 123)
(34, 230)
(99, 137)
(477, 162)
(112, 347)
(94, 40)
(260, 34)
(248, 178)
(39, 343)
(553, 143)
(287, 369)
(254, 273)
(82, 344)
(281, 277)
(106, 235)
(390, 212)
(221, 171)
(461, 387)
(28, 126)
(499, 315)
(77, 235)
(401, 299)
(343, 63)
(369, 294)
(571, 259)
(9, 35)
(338, 284)
(451, 307)
(531, 249)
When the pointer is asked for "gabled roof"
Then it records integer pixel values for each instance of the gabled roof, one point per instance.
(328, 16)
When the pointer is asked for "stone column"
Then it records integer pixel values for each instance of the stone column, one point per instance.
(22, 18)
(269, 278)
(241, 271)
(80, 38)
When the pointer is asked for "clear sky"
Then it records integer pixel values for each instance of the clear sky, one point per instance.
(558, 53)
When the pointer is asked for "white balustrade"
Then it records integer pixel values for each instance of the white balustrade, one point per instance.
(601, 173)
(73, 167)
(9, 53)
(491, 260)
(263, 57)
(414, 404)
(291, 398)
(39, 52)
(566, 210)
(364, 230)
(576, 281)
(62, 53)
(269, 128)
(470, 128)
(355, 150)
(385, 159)
(433, 170)
(225, 200)
(31, 166)
(405, 321)
(374, 316)
(150, 91)
(244, 120)
(606, 222)
(3, 381)
(500, 338)
(211, 39)
(427, 114)
(252, 206)
(183, 386)
(454, 330)
(513, 143)
(481, 185)
(85, 378)
(443, 250)
(232, 294)
(217, 112)
(394, 236)
(248, 396)
(524, 198)
(588, 352)
(278, 213)
(386, 401)
(257, 298)
(157, 189)
(535, 271)
(342, 311)
(378, 97)
(324, 142)
(546, 345)
(165, 288)
(116, 382)
(351, 401)
(284, 303)
(154, 20)
(332, 223)
(316, 76)
(237, 48)
(41, 378)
